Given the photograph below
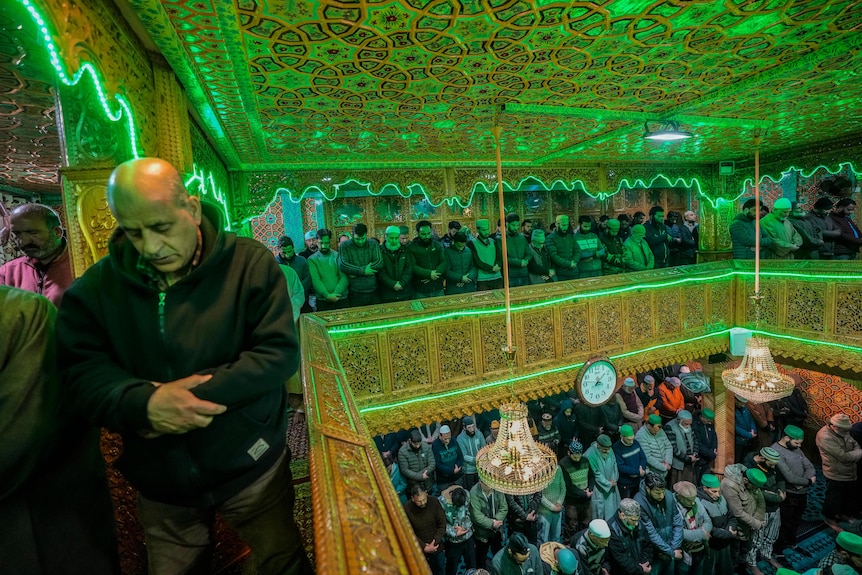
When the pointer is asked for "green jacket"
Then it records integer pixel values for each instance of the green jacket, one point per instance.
(326, 275)
(485, 509)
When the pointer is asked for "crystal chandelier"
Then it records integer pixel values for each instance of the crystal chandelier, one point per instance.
(515, 464)
(757, 379)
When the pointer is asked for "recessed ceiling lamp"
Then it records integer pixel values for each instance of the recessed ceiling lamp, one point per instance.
(668, 132)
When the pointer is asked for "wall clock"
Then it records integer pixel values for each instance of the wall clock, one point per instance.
(597, 381)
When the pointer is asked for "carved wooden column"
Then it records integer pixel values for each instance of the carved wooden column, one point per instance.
(724, 416)
(89, 221)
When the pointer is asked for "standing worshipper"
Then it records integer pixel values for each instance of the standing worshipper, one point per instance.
(612, 239)
(203, 426)
(396, 273)
(488, 510)
(631, 462)
(849, 240)
(630, 551)
(488, 258)
(773, 496)
(518, 254)
(606, 497)
(566, 424)
(580, 484)
(564, 250)
(589, 422)
(517, 558)
(637, 255)
(416, 461)
(429, 264)
(745, 428)
(551, 509)
(799, 476)
(45, 267)
(461, 271)
(663, 523)
(656, 236)
(523, 514)
(329, 282)
(839, 453)
(592, 250)
(649, 396)
(630, 404)
(707, 442)
(656, 446)
(741, 489)
(786, 241)
(428, 520)
(448, 459)
(696, 528)
(541, 267)
(684, 442)
(724, 526)
(55, 509)
(459, 530)
(470, 441)
(591, 547)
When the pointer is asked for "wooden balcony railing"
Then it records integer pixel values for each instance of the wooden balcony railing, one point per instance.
(383, 368)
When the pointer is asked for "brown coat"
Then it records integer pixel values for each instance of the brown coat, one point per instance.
(765, 420)
(839, 454)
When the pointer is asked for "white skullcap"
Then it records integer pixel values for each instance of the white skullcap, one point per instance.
(599, 528)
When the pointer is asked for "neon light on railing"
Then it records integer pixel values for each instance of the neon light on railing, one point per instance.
(90, 69)
(338, 330)
(206, 185)
(516, 379)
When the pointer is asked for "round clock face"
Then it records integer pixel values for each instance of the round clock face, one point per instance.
(598, 382)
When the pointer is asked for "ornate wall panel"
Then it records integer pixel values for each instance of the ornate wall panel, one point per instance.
(608, 316)
(90, 228)
(848, 319)
(668, 310)
(721, 304)
(360, 358)
(456, 349)
(409, 357)
(269, 227)
(693, 304)
(574, 338)
(640, 317)
(806, 306)
(538, 336)
(492, 331)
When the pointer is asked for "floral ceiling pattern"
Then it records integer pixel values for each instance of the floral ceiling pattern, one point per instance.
(301, 84)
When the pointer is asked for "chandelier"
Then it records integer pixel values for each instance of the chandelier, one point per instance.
(515, 464)
(757, 379)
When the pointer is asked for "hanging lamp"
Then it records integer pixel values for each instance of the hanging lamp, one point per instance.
(757, 379)
(514, 464)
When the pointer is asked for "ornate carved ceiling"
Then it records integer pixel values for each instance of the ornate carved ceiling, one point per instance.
(294, 83)
(29, 140)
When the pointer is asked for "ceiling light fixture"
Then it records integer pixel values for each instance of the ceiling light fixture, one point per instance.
(668, 131)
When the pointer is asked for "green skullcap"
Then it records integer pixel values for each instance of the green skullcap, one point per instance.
(654, 419)
(710, 481)
(708, 414)
(850, 542)
(604, 440)
(756, 476)
(794, 432)
(627, 431)
(613, 224)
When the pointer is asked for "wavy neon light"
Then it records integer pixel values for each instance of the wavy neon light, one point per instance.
(749, 182)
(204, 183)
(87, 68)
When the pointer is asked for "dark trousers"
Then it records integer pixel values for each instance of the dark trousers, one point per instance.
(840, 499)
(325, 305)
(454, 553)
(489, 285)
(627, 490)
(358, 299)
(493, 544)
(437, 562)
(792, 510)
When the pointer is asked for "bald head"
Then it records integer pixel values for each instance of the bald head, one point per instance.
(157, 214)
(146, 180)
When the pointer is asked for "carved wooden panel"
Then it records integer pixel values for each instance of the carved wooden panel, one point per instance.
(806, 306)
(360, 358)
(721, 308)
(90, 228)
(693, 305)
(493, 337)
(456, 349)
(408, 357)
(640, 316)
(848, 319)
(538, 329)
(609, 321)
(667, 311)
(574, 328)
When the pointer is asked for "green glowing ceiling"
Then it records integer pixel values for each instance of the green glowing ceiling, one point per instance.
(292, 83)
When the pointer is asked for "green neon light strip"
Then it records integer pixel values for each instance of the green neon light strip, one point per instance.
(206, 186)
(512, 380)
(809, 341)
(86, 68)
(337, 330)
(749, 182)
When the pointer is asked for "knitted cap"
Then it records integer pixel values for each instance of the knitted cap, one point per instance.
(654, 419)
(685, 489)
(649, 379)
(576, 447)
(770, 454)
(604, 440)
(794, 432)
(630, 507)
(841, 421)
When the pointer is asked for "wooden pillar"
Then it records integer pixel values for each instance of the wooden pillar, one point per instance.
(723, 406)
